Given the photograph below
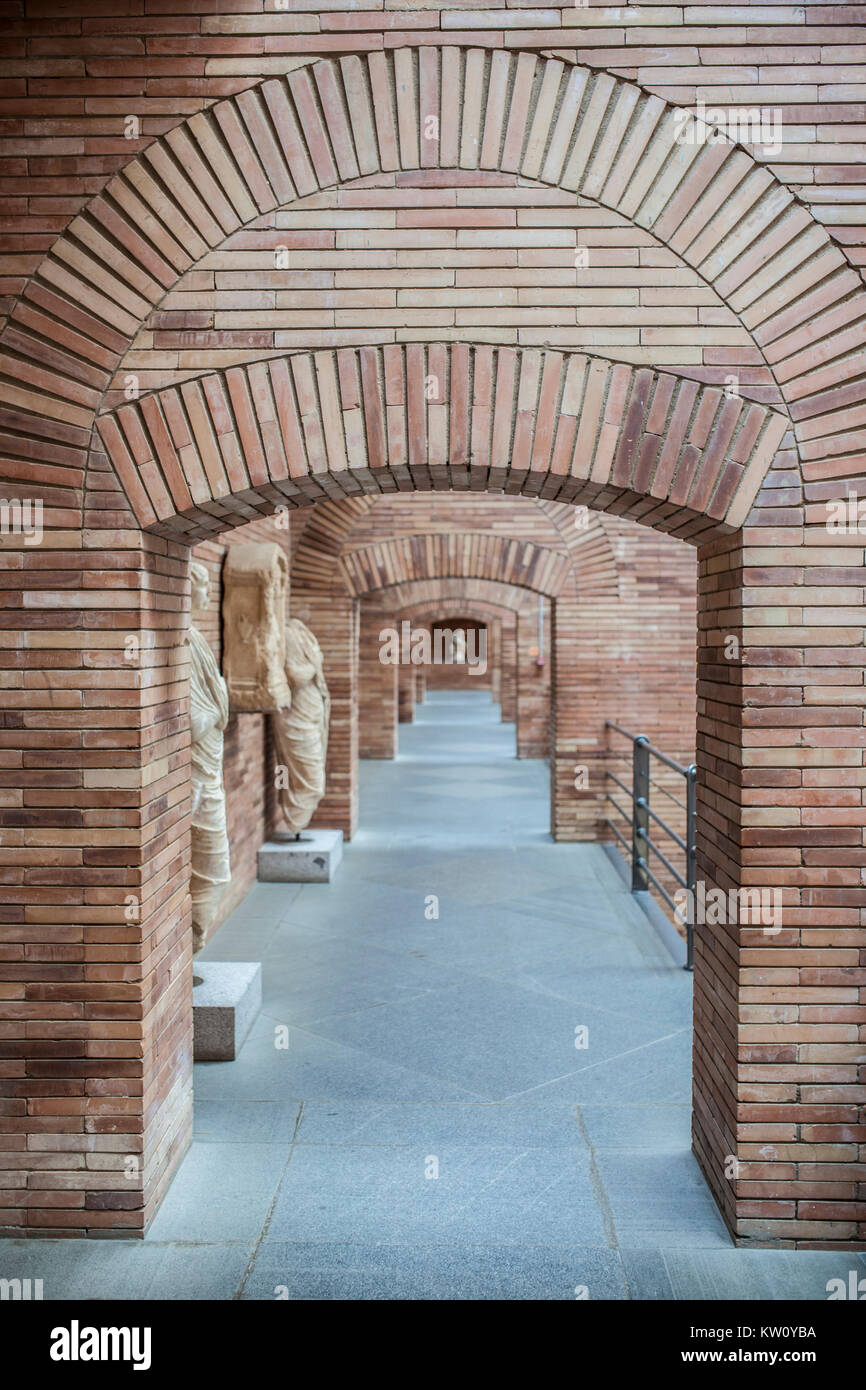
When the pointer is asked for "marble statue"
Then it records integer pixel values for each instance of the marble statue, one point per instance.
(301, 729)
(209, 713)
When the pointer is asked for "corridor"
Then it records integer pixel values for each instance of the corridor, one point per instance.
(485, 1092)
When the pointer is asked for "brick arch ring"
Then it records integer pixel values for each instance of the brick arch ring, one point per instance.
(220, 449)
(470, 593)
(589, 132)
(464, 555)
(584, 534)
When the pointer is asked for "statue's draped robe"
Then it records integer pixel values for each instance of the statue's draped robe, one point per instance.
(209, 713)
(301, 729)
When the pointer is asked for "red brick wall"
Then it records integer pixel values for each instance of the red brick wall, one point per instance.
(508, 671)
(533, 681)
(377, 686)
(72, 78)
(627, 656)
(407, 693)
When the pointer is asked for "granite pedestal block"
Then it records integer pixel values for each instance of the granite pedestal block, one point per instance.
(313, 858)
(224, 1007)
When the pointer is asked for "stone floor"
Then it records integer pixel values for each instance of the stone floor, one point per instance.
(433, 1130)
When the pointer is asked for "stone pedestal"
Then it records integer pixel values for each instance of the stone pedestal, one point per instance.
(313, 858)
(224, 1007)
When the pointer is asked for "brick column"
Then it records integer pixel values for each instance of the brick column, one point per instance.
(96, 972)
(578, 711)
(494, 651)
(406, 693)
(334, 620)
(626, 655)
(377, 686)
(778, 1067)
(508, 669)
(533, 683)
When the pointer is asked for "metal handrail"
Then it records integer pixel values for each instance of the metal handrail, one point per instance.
(642, 845)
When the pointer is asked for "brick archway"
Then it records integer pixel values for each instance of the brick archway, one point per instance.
(373, 545)
(384, 571)
(603, 139)
(377, 573)
(499, 612)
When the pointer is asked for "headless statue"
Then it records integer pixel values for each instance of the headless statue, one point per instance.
(209, 713)
(301, 729)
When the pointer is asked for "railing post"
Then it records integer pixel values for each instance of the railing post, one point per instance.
(691, 859)
(640, 816)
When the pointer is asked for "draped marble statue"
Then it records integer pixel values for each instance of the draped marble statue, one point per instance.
(209, 713)
(301, 729)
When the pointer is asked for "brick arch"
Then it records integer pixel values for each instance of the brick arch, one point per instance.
(471, 592)
(211, 453)
(319, 534)
(487, 602)
(462, 555)
(587, 131)
(476, 609)
(589, 538)
(333, 526)
(498, 613)
(525, 690)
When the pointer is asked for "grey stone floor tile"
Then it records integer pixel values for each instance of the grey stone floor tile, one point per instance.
(127, 1269)
(339, 908)
(311, 1067)
(479, 940)
(302, 1270)
(543, 1197)
(245, 1121)
(658, 1127)
(661, 996)
(222, 1192)
(657, 1072)
(735, 1274)
(530, 1126)
(646, 1275)
(340, 975)
(489, 1036)
(659, 1198)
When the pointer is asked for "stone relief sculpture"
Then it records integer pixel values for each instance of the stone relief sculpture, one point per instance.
(301, 729)
(209, 713)
(256, 578)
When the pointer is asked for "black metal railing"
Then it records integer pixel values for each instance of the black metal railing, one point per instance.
(640, 846)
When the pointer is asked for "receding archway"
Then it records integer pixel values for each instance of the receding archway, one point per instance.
(600, 138)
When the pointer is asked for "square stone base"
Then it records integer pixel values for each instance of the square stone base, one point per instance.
(311, 859)
(224, 1006)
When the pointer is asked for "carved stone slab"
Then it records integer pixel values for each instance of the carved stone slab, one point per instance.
(255, 587)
